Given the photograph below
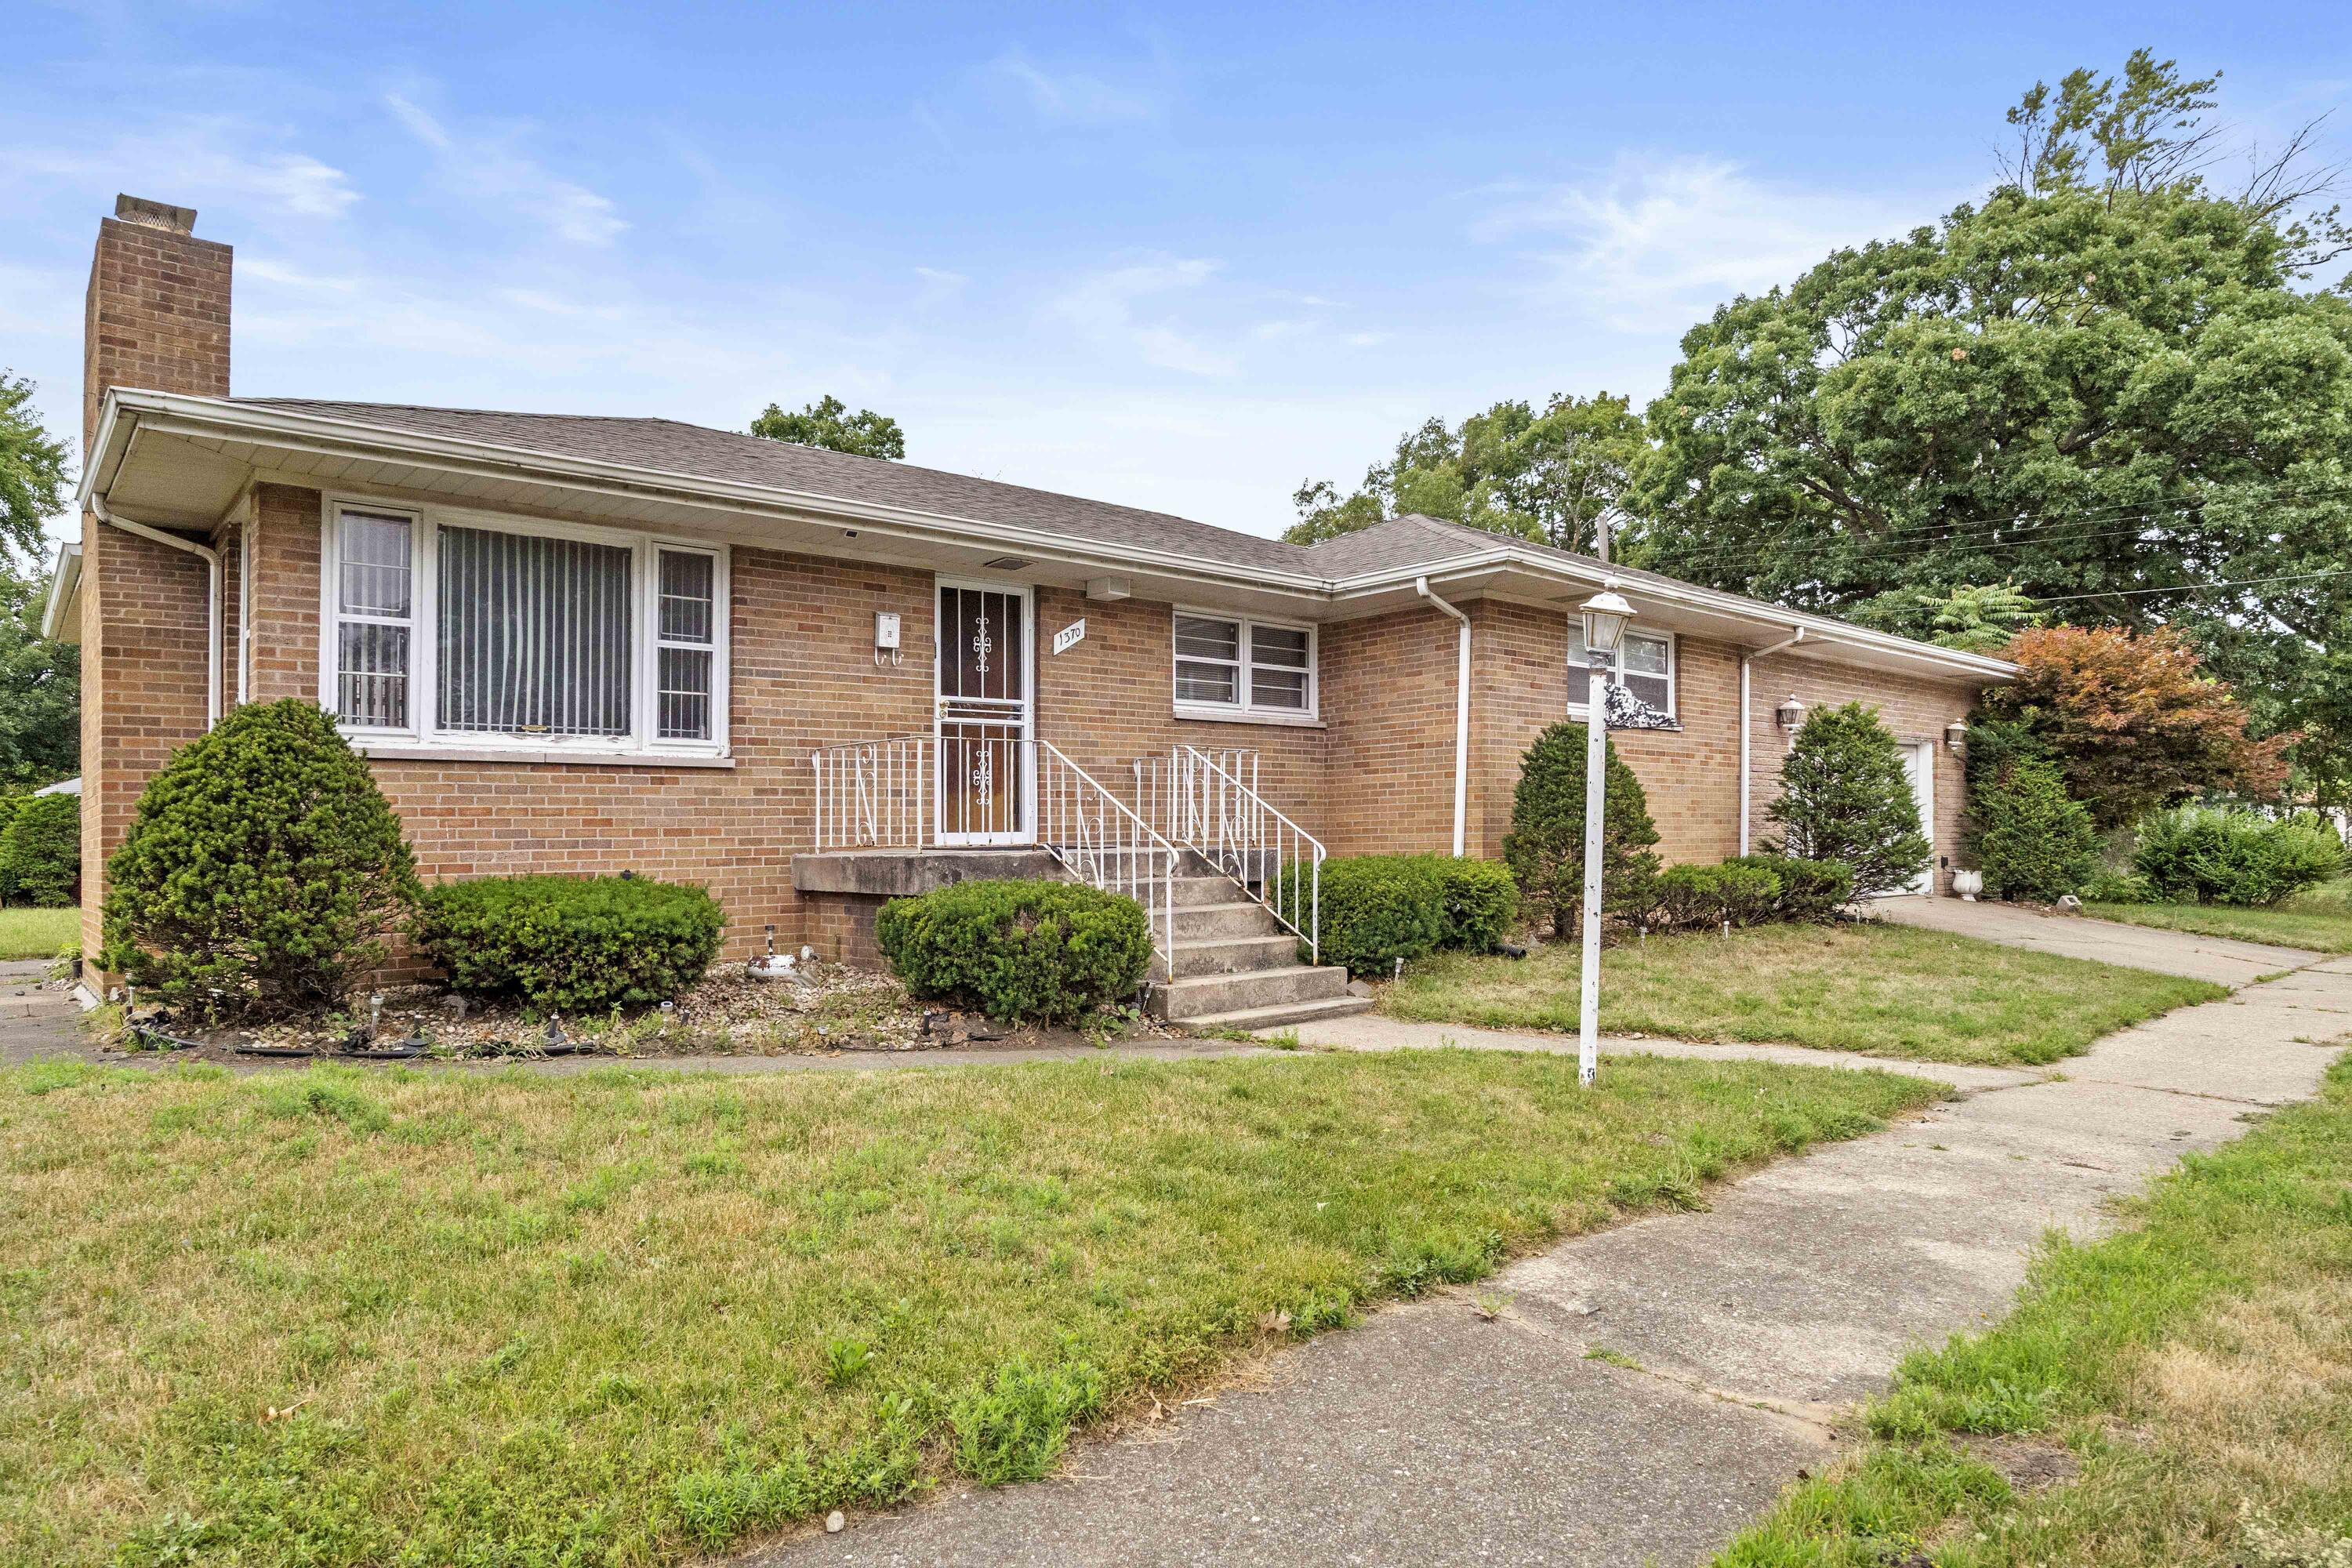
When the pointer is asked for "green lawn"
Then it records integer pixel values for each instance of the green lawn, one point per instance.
(38, 934)
(627, 1317)
(1891, 991)
(2320, 922)
(2197, 1369)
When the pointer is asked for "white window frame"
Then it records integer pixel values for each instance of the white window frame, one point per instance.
(423, 736)
(1575, 685)
(1242, 709)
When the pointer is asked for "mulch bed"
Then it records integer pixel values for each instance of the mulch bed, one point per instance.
(822, 1009)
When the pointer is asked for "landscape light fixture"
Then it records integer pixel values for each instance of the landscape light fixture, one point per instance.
(1605, 615)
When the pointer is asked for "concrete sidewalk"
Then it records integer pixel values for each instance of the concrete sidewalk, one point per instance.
(1430, 1436)
(2219, 959)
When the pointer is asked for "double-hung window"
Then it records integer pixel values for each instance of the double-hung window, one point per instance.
(1240, 668)
(1644, 666)
(461, 630)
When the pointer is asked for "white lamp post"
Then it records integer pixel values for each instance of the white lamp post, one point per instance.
(1605, 615)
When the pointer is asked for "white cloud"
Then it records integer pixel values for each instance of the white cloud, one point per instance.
(197, 160)
(1107, 307)
(486, 167)
(1072, 97)
(1657, 243)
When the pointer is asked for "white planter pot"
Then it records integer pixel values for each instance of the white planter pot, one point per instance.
(1967, 884)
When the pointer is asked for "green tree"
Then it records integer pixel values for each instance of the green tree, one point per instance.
(32, 469)
(263, 863)
(1980, 619)
(40, 690)
(2107, 385)
(1545, 848)
(2028, 838)
(828, 423)
(1845, 797)
(40, 851)
(1554, 477)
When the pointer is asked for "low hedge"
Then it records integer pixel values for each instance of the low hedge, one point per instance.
(1024, 952)
(40, 851)
(1811, 890)
(1376, 909)
(571, 944)
(1747, 890)
(2208, 855)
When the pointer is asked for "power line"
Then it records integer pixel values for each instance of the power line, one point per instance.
(2195, 587)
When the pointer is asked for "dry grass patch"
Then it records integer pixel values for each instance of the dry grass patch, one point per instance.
(1891, 991)
(340, 1316)
(2198, 1369)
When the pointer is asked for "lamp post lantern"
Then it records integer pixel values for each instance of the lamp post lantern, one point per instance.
(1605, 615)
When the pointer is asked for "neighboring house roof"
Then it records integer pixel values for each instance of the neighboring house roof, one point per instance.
(63, 786)
(691, 461)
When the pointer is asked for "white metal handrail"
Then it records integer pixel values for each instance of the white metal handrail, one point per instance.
(1211, 805)
(882, 795)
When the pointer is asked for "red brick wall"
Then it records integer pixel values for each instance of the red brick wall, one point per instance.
(155, 316)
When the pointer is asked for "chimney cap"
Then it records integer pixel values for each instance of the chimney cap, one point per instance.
(155, 215)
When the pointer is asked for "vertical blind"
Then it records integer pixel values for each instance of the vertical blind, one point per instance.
(534, 636)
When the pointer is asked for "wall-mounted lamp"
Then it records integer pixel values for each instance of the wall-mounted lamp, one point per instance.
(1790, 715)
(1955, 734)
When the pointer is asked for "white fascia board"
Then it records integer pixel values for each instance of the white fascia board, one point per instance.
(65, 583)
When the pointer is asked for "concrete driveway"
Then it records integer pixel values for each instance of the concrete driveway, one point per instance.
(1433, 1435)
(2218, 959)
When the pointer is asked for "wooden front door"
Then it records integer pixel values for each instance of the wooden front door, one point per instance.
(986, 766)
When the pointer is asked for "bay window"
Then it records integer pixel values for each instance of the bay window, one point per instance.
(462, 630)
(1231, 667)
(1644, 666)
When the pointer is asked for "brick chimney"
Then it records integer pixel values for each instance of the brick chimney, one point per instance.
(157, 313)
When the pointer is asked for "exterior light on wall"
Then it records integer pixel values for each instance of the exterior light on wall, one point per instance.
(1955, 734)
(1790, 715)
(1605, 615)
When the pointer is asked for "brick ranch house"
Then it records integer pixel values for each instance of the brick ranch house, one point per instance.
(806, 679)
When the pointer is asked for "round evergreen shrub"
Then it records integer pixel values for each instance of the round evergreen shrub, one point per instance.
(571, 944)
(1478, 901)
(1378, 908)
(262, 862)
(2030, 840)
(1545, 849)
(1811, 890)
(40, 851)
(2208, 855)
(1024, 951)
(1845, 797)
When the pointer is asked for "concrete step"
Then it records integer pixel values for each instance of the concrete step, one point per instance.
(1191, 996)
(1227, 921)
(1192, 891)
(1235, 956)
(1281, 1015)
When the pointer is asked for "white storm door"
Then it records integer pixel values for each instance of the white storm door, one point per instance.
(982, 713)
(1919, 767)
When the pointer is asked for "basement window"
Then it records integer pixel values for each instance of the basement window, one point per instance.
(461, 630)
(1229, 667)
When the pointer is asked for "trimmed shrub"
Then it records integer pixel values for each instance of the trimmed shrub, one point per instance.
(2209, 855)
(1024, 951)
(1811, 890)
(571, 944)
(1746, 895)
(1845, 797)
(2028, 838)
(40, 851)
(1545, 848)
(1378, 908)
(2116, 888)
(263, 862)
(1478, 901)
(9, 805)
(1700, 896)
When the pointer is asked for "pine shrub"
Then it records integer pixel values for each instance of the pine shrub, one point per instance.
(1845, 797)
(1545, 848)
(263, 863)
(1811, 890)
(2208, 855)
(2030, 840)
(40, 851)
(1024, 951)
(579, 945)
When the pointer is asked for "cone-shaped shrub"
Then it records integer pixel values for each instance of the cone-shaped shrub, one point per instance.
(1845, 797)
(263, 863)
(1545, 848)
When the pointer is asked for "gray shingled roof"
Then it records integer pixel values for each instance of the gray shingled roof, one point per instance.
(694, 451)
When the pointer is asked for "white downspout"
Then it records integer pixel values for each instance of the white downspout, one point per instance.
(212, 561)
(1747, 718)
(1461, 717)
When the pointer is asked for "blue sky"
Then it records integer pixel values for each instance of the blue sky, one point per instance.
(1181, 257)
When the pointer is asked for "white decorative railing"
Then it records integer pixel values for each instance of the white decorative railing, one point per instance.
(1208, 802)
(888, 794)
